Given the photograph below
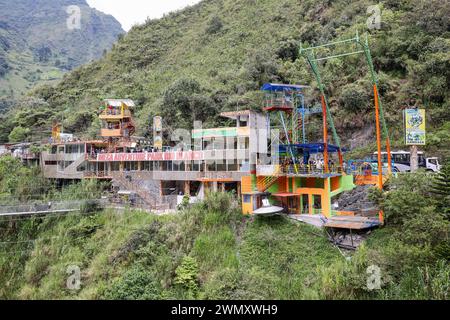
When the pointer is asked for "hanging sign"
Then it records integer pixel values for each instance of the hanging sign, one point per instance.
(415, 131)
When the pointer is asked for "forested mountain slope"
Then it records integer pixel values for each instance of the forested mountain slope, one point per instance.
(215, 56)
(40, 40)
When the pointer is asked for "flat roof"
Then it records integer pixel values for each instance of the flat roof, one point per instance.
(118, 102)
(278, 87)
(234, 114)
(310, 147)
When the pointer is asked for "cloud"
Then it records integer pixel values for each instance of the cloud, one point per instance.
(130, 12)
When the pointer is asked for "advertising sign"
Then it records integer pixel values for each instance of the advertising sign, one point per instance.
(157, 133)
(415, 133)
(157, 142)
(157, 124)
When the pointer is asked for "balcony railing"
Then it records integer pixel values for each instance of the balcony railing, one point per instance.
(310, 170)
(111, 132)
(96, 174)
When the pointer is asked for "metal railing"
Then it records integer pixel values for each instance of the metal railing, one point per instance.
(310, 170)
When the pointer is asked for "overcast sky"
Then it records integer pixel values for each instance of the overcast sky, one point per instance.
(130, 12)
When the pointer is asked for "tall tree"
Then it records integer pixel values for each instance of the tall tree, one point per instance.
(441, 190)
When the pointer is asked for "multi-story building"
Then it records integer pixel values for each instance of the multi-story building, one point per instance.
(217, 158)
(238, 158)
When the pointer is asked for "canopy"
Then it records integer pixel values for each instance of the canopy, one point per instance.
(310, 148)
(118, 102)
(282, 87)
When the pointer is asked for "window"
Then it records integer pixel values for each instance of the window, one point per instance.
(221, 166)
(421, 159)
(147, 166)
(196, 166)
(433, 161)
(178, 166)
(247, 198)
(232, 165)
(166, 166)
(211, 166)
(131, 166)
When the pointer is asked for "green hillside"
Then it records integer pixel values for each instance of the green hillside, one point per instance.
(215, 56)
(212, 252)
(36, 45)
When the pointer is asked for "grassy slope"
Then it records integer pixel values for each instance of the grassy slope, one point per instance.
(138, 256)
(265, 265)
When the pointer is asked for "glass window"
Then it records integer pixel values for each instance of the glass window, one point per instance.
(247, 198)
(212, 166)
(232, 165)
(222, 166)
(147, 166)
(115, 166)
(196, 166)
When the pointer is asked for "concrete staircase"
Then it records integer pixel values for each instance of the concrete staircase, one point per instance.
(147, 190)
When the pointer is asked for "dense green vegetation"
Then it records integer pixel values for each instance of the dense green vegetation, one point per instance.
(21, 184)
(214, 56)
(211, 251)
(37, 47)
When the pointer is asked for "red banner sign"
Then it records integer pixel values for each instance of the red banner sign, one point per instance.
(151, 156)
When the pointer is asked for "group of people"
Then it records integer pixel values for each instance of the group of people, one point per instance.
(311, 165)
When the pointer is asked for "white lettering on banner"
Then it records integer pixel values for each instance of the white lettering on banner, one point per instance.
(156, 156)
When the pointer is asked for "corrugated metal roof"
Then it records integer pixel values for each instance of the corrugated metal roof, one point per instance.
(283, 87)
(118, 102)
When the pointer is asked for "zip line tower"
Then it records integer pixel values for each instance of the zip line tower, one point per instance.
(332, 49)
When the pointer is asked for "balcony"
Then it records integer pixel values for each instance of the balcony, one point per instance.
(111, 133)
(114, 115)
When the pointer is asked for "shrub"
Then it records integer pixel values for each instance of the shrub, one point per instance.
(19, 134)
(187, 274)
(214, 25)
(354, 98)
(136, 284)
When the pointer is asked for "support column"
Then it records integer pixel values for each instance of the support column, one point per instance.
(326, 198)
(341, 160)
(187, 188)
(301, 204)
(414, 159)
(325, 135)
(380, 165)
(311, 204)
(389, 155)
